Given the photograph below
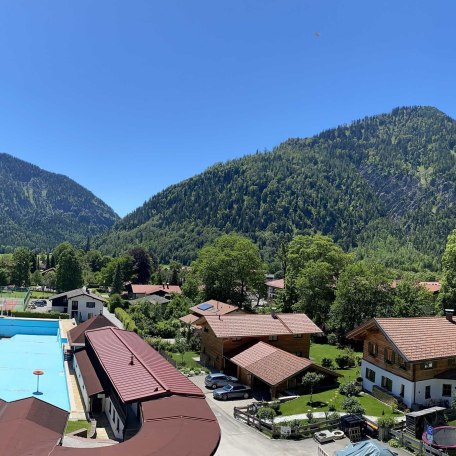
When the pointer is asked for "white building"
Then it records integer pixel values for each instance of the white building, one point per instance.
(80, 304)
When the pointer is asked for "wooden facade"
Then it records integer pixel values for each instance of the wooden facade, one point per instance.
(214, 349)
(378, 351)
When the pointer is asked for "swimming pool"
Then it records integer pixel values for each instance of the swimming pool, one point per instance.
(28, 345)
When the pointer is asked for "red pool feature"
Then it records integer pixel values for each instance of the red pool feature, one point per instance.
(443, 437)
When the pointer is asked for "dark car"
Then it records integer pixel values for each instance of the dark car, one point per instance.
(233, 391)
(40, 303)
(217, 380)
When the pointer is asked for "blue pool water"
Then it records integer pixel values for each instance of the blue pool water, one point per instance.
(32, 345)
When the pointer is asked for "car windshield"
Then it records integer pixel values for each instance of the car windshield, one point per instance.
(227, 387)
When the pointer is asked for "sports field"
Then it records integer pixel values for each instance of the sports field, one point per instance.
(12, 300)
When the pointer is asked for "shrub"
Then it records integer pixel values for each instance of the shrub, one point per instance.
(126, 320)
(394, 443)
(332, 339)
(349, 389)
(266, 413)
(386, 421)
(275, 405)
(29, 314)
(352, 405)
(344, 361)
(328, 363)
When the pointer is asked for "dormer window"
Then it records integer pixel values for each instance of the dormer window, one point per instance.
(427, 365)
(372, 348)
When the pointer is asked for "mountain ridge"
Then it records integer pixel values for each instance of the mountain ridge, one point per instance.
(393, 172)
(40, 209)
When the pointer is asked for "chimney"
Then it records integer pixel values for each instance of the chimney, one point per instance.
(449, 314)
(132, 360)
(167, 284)
(273, 314)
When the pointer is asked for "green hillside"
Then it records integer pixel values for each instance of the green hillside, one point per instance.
(40, 209)
(384, 184)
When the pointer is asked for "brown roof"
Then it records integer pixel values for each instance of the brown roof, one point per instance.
(172, 426)
(270, 364)
(150, 374)
(433, 287)
(213, 307)
(76, 335)
(189, 319)
(151, 289)
(30, 427)
(416, 339)
(89, 376)
(78, 292)
(244, 325)
(278, 283)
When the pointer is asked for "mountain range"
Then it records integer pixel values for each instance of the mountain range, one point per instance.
(40, 209)
(383, 186)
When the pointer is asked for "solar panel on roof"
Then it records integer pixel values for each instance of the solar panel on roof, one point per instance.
(205, 306)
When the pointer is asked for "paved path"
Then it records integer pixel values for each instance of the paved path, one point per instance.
(112, 318)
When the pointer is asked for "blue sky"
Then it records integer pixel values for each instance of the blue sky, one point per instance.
(128, 97)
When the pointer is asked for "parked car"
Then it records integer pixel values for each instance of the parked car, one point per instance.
(217, 380)
(40, 303)
(232, 391)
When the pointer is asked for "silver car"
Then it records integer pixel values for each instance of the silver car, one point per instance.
(218, 380)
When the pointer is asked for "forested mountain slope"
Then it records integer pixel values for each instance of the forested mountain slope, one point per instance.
(40, 209)
(384, 184)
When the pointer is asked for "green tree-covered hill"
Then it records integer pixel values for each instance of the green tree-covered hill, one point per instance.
(40, 209)
(384, 185)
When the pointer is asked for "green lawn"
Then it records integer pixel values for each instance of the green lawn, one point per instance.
(41, 294)
(188, 361)
(13, 294)
(322, 400)
(76, 425)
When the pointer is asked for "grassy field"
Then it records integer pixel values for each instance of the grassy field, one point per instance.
(76, 425)
(322, 400)
(188, 361)
(12, 294)
(41, 294)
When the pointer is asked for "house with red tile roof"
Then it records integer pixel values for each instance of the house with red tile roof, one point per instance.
(166, 290)
(411, 359)
(274, 286)
(265, 351)
(211, 307)
(432, 287)
(76, 335)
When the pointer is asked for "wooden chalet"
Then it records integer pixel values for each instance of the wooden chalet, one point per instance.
(411, 359)
(266, 352)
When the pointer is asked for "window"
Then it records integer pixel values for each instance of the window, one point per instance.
(451, 362)
(389, 356)
(387, 383)
(401, 362)
(446, 390)
(90, 305)
(74, 305)
(234, 339)
(273, 338)
(370, 374)
(372, 348)
(298, 354)
(427, 365)
(427, 392)
(402, 393)
(118, 424)
(110, 407)
(297, 336)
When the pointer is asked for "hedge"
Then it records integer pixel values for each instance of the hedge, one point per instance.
(29, 314)
(126, 320)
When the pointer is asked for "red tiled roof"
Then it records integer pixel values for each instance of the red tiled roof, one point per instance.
(150, 374)
(417, 339)
(189, 319)
(278, 283)
(270, 364)
(30, 427)
(76, 334)
(89, 376)
(151, 289)
(433, 287)
(244, 325)
(217, 308)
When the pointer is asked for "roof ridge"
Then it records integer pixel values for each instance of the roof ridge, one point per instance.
(159, 381)
(284, 324)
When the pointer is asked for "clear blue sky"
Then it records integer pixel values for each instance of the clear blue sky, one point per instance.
(127, 97)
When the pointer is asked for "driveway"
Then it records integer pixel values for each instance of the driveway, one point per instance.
(239, 439)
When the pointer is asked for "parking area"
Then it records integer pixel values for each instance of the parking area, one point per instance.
(40, 305)
(226, 406)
